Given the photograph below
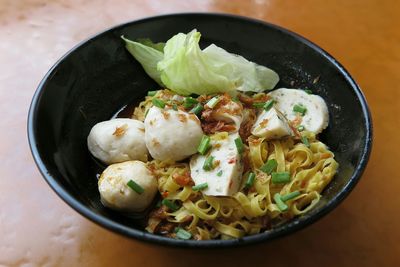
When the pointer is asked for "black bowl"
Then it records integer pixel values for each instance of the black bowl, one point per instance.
(97, 77)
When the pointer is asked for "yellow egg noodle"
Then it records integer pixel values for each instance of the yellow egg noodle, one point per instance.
(140, 111)
(308, 168)
(241, 159)
(246, 212)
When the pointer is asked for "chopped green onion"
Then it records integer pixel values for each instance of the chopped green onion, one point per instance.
(305, 141)
(197, 109)
(268, 105)
(239, 145)
(158, 103)
(308, 91)
(300, 128)
(258, 104)
(208, 163)
(182, 234)
(235, 99)
(189, 102)
(219, 173)
(269, 166)
(290, 196)
(213, 102)
(280, 177)
(250, 180)
(175, 107)
(204, 144)
(281, 205)
(151, 93)
(199, 187)
(300, 109)
(171, 205)
(135, 187)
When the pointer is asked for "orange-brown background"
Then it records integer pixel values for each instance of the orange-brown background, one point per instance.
(38, 229)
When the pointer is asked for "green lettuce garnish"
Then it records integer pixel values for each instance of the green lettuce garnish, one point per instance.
(148, 56)
(180, 65)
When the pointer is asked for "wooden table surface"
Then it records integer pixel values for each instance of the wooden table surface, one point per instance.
(39, 229)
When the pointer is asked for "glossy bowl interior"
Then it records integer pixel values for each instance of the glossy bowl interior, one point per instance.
(98, 77)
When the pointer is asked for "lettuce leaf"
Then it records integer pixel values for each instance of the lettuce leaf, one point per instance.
(186, 69)
(148, 54)
(248, 76)
(148, 42)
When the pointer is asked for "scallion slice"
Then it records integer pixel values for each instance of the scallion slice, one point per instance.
(280, 177)
(308, 91)
(250, 180)
(182, 234)
(258, 104)
(151, 93)
(220, 173)
(158, 103)
(200, 187)
(269, 166)
(268, 105)
(300, 128)
(290, 196)
(213, 102)
(300, 109)
(135, 187)
(208, 163)
(305, 141)
(204, 145)
(171, 205)
(278, 201)
(189, 102)
(239, 145)
(197, 109)
(235, 99)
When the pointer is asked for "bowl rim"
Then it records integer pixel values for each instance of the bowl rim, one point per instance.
(126, 231)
